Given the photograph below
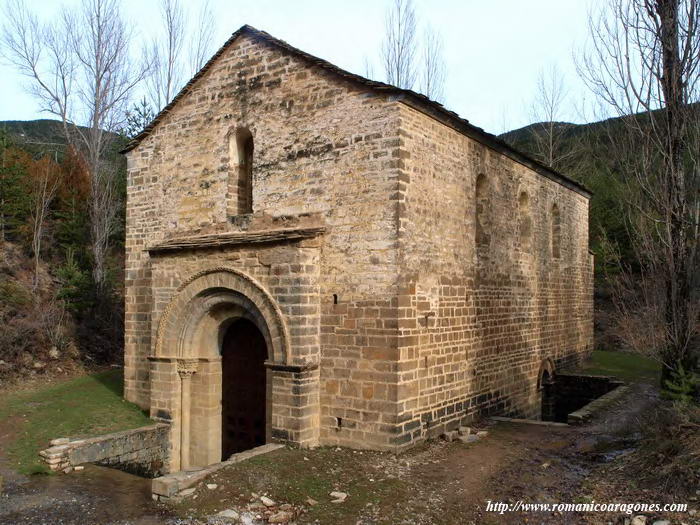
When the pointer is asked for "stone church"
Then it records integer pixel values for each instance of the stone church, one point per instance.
(316, 258)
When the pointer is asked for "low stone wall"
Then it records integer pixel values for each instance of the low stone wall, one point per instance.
(574, 391)
(582, 415)
(142, 451)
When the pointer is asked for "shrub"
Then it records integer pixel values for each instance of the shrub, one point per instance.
(670, 451)
(683, 385)
(76, 287)
(13, 295)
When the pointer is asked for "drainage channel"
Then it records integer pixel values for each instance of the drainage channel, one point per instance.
(572, 399)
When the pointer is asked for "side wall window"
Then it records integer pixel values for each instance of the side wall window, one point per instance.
(556, 232)
(483, 213)
(240, 184)
(525, 222)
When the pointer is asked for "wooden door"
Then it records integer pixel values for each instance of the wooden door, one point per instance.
(243, 355)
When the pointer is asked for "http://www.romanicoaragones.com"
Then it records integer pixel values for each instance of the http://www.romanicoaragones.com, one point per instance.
(592, 506)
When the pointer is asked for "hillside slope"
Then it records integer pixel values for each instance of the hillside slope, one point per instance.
(52, 316)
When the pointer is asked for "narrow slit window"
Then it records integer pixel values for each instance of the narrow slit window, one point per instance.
(240, 186)
(525, 222)
(483, 216)
(556, 232)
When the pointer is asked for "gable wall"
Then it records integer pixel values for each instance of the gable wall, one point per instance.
(476, 324)
(325, 153)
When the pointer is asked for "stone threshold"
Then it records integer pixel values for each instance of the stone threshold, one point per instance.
(170, 485)
(585, 413)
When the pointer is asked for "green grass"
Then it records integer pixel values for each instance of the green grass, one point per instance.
(631, 368)
(82, 407)
(288, 477)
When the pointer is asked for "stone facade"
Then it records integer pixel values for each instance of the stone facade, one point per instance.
(407, 270)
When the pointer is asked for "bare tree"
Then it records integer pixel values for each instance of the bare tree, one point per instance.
(399, 47)
(367, 67)
(548, 131)
(166, 53)
(434, 70)
(643, 65)
(45, 183)
(202, 38)
(179, 50)
(408, 59)
(80, 70)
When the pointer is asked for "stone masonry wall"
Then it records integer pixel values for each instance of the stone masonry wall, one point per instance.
(324, 150)
(480, 312)
(142, 451)
(447, 273)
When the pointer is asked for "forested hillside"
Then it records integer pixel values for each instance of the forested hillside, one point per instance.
(48, 301)
(53, 319)
(582, 152)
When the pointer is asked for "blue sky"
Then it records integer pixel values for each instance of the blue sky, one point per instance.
(494, 49)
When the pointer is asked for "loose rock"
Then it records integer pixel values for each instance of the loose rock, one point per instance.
(449, 436)
(229, 513)
(212, 486)
(267, 501)
(338, 497)
(639, 520)
(282, 516)
(186, 492)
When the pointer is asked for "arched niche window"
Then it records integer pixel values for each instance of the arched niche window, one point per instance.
(524, 222)
(483, 213)
(555, 233)
(240, 183)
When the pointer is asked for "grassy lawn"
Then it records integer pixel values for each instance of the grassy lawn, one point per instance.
(81, 407)
(631, 368)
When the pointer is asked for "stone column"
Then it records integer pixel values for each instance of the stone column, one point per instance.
(185, 368)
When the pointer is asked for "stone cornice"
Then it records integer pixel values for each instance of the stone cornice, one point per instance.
(216, 240)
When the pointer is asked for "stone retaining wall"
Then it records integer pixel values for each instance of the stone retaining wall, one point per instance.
(575, 391)
(142, 451)
(584, 414)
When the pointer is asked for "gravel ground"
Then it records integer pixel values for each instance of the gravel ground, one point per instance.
(437, 482)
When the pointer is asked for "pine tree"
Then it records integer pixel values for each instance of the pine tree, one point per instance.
(14, 203)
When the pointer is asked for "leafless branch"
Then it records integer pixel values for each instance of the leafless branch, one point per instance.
(434, 69)
(80, 70)
(202, 38)
(399, 46)
(643, 63)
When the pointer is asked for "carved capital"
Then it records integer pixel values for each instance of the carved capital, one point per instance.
(186, 367)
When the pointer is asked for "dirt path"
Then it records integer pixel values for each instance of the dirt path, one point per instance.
(435, 483)
(95, 495)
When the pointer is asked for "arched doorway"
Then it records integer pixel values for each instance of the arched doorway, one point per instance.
(243, 388)
(205, 327)
(548, 400)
